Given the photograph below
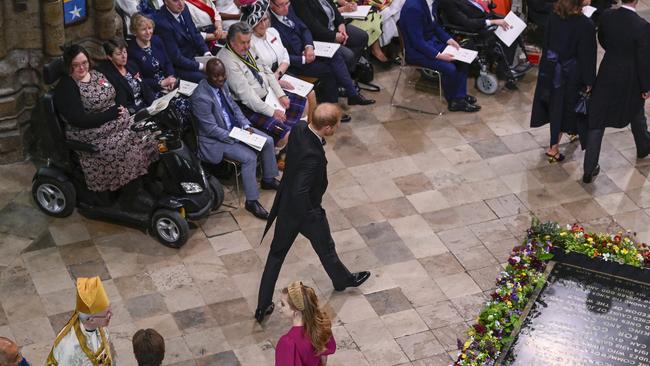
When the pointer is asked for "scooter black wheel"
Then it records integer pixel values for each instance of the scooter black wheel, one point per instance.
(217, 189)
(170, 228)
(53, 197)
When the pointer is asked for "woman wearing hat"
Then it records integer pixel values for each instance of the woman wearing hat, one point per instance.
(310, 339)
(267, 47)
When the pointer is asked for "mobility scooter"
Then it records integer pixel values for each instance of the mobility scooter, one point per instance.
(176, 190)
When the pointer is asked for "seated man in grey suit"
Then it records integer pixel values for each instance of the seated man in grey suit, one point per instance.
(216, 114)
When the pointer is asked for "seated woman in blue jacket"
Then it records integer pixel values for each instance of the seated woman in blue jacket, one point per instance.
(424, 43)
(147, 52)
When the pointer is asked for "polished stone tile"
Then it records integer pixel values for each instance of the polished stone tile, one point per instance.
(388, 301)
(439, 314)
(231, 311)
(414, 183)
(420, 345)
(403, 323)
(145, 306)
(194, 319)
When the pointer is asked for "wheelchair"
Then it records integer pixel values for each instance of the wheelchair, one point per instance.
(176, 191)
(491, 62)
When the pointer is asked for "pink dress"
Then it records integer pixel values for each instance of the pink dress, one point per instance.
(295, 349)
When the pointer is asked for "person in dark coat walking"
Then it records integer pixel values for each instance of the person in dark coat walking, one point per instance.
(623, 83)
(568, 66)
(298, 209)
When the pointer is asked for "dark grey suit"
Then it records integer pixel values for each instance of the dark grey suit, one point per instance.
(214, 143)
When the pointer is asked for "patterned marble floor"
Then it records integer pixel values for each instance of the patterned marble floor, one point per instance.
(431, 205)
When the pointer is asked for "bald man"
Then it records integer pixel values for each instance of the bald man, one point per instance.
(298, 209)
(217, 114)
(10, 354)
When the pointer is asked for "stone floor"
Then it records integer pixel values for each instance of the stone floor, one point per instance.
(431, 205)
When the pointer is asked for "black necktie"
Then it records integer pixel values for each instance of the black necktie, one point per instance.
(182, 21)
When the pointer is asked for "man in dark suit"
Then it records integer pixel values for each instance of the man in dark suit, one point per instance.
(217, 114)
(622, 84)
(182, 40)
(297, 39)
(298, 209)
(326, 24)
(475, 16)
(424, 43)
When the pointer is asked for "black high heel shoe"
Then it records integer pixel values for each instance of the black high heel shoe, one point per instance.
(261, 314)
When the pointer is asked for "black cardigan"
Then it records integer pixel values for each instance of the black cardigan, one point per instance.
(67, 101)
(123, 93)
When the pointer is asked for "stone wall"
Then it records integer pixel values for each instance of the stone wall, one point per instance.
(32, 33)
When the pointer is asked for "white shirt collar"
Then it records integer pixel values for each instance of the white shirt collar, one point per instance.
(430, 3)
(176, 16)
(317, 135)
(628, 8)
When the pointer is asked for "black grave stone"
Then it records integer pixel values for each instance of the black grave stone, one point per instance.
(585, 317)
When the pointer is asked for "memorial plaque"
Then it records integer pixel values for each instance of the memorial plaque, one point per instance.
(584, 317)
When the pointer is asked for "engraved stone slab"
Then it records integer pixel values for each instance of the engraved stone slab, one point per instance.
(584, 317)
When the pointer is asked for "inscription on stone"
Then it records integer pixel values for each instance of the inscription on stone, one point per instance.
(585, 318)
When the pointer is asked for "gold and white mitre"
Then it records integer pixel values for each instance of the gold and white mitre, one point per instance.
(76, 346)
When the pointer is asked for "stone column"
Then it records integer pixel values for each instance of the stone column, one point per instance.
(105, 18)
(3, 44)
(53, 32)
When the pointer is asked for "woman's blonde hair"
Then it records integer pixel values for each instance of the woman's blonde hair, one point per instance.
(318, 324)
(137, 20)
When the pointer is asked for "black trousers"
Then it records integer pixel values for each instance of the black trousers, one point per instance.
(317, 230)
(357, 42)
(595, 138)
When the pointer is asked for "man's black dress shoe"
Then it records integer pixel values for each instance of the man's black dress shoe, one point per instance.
(357, 279)
(461, 105)
(256, 209)
(260, 314)
(470, 99)
(587, 178)
(359, 100)
(346, 118)
(642, 155)
(273, 184)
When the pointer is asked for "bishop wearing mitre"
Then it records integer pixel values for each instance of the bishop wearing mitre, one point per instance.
(83, 341)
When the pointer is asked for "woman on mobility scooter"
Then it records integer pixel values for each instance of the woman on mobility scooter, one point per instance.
(86, 101)
(97, 146)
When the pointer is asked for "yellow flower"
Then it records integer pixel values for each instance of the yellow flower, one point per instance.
(563, 233)
(624, 251)
(591, 240)
(509, 303)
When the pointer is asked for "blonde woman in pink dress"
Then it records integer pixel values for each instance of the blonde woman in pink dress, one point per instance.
(310, 339)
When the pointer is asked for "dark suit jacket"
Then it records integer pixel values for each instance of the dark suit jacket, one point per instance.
(182, 44)
(294, 40)
(212, 132)
(145, 62)
(304, 180)
(462, 13)
(123, 93)
(624, 72)
(312, 14)
(423, 37)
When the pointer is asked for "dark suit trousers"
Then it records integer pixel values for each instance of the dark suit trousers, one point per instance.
(357, 42)
(595, 138)
(317, 230)
(324, 69)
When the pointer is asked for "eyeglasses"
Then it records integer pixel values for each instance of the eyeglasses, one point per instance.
(78, 66)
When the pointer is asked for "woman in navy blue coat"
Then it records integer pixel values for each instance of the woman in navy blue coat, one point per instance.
(568, 66)
(148, 53)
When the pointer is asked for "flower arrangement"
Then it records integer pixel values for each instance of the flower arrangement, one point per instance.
(525, 273)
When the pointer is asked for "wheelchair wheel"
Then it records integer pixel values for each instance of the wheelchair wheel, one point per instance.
(487, 83)
(53, 197)
(170, 228)
(217, 190)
